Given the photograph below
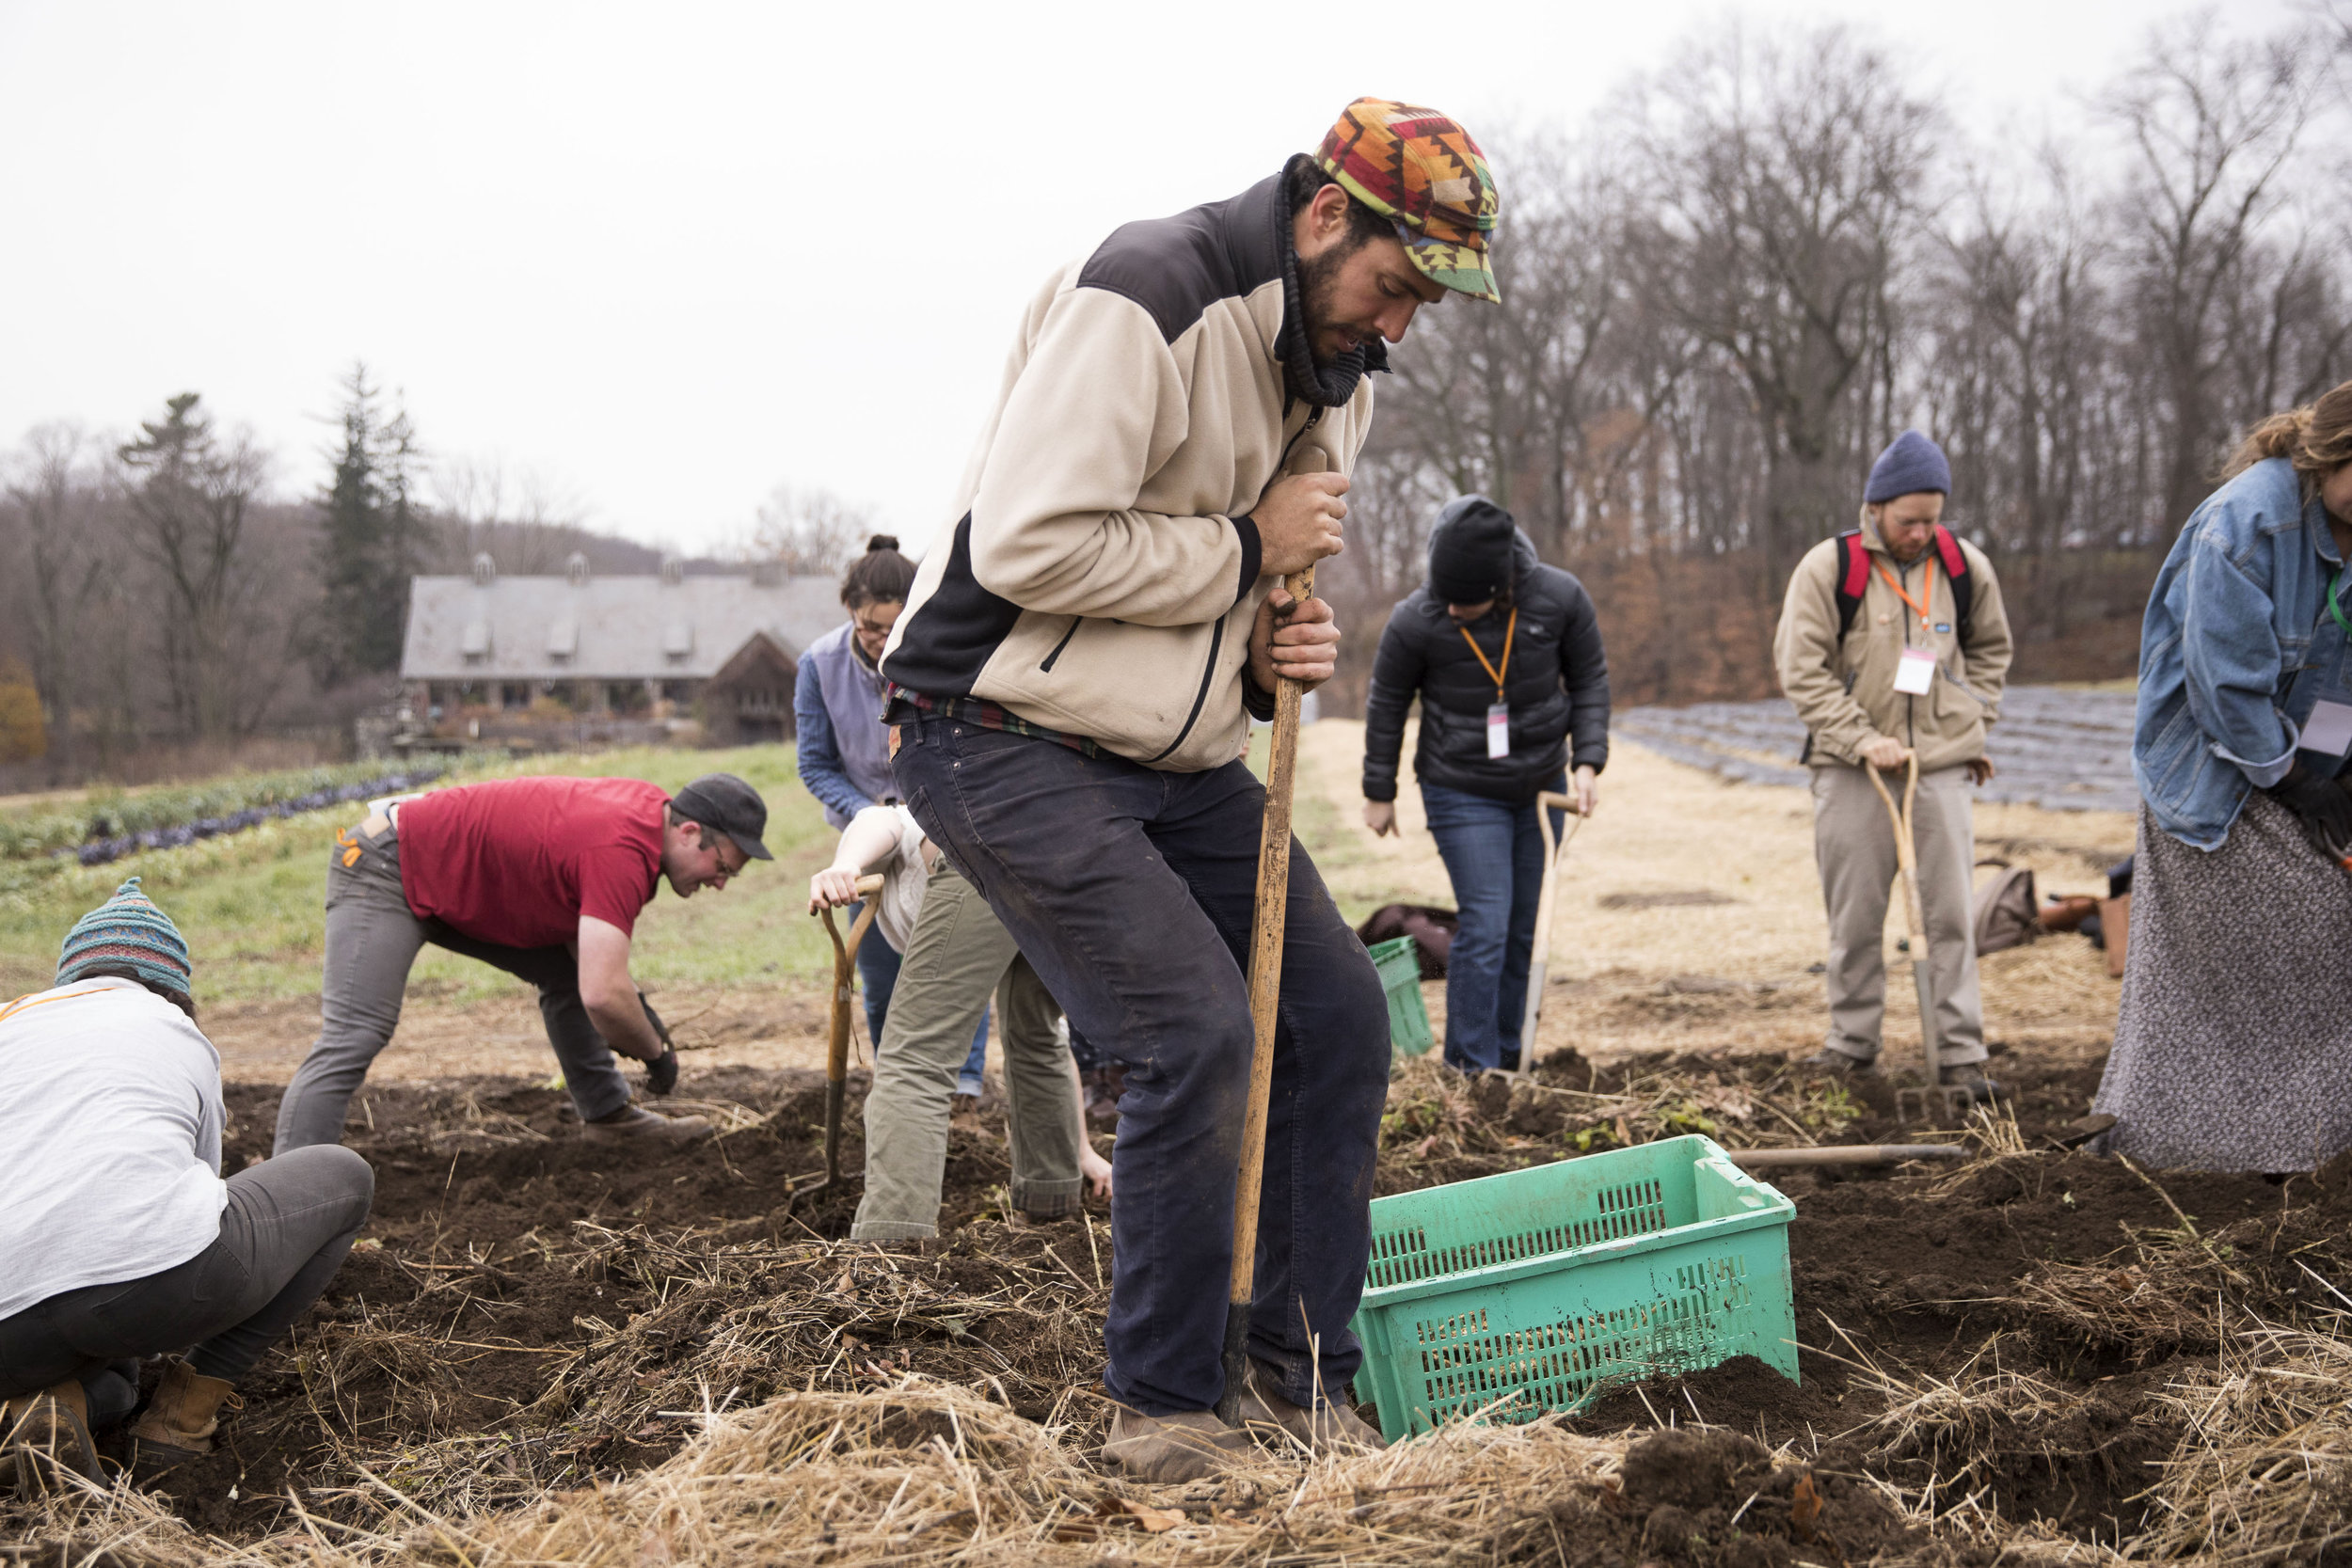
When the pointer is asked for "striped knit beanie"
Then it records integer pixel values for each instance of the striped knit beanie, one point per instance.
(126, 932)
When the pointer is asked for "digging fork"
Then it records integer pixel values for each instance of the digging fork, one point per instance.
(1953, 1101)
(838, 1047)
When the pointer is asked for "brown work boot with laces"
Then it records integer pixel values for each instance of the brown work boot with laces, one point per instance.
(1160, 1451)
(635, 1125)
(180, 1420)
(43, 1434)
(1332, 1427)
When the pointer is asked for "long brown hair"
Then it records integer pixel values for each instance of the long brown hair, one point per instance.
(2316, 438)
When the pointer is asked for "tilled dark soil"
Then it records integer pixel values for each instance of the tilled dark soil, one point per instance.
(526, 1310)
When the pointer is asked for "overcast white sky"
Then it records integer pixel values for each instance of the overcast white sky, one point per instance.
(669, 257)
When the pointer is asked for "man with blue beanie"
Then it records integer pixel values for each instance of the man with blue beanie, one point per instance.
(1892, 644)
(120, 1238)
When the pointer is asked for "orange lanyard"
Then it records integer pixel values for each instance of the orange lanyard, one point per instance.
(1493, 673)
(1927, 590)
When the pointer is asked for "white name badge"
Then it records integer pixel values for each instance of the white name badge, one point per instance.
(1916, 674)
(2329, 730)
(1498, 731)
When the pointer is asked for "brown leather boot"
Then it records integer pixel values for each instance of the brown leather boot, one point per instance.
(43, 1434)
(179, 1419)
(634, 1124)
(1164, 1449)
(1329, 1428)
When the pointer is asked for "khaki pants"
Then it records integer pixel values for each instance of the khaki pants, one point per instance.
(1853, 841)
(961, 952)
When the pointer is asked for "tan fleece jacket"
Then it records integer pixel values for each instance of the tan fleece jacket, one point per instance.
(1103, 576)
(1844, 690)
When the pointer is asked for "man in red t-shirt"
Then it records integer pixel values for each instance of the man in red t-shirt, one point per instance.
(543, 879)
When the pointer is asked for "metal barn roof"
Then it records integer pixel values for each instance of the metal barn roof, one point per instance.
(583, 628)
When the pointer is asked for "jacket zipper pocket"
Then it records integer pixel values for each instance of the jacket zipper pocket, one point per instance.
(1200, 698)
(1075, 623)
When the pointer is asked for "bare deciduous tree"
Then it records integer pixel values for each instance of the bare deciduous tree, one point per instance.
(808, 533)
(188, 500)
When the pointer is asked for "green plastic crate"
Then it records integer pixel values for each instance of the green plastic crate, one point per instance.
(1542, 1288)
(1399, 963)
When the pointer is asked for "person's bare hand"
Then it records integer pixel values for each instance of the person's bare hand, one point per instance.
(1380, 817)
(1980, 771)
(1298, 522)
(1585, 788)
(1094, 1169)
(1293, 641)
(1885, 753)
(836, 885)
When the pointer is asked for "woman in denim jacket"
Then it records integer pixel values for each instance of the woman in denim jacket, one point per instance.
(2234, 1047)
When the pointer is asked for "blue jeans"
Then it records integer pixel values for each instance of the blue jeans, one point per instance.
(1131, 891)
(1494, 853)
(878, 974)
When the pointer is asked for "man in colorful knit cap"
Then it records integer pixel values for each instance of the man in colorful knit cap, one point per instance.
(121, 1238)
(542, 878)
(1072, 683)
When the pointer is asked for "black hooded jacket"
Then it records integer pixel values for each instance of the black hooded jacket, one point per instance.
(1557, 685)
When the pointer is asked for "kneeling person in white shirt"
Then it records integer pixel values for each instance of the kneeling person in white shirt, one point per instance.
(956, 953)
(120, 1236)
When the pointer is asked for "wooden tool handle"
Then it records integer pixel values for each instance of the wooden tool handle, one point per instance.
(1540, 957)
(1843, 1154)
(1265, 983)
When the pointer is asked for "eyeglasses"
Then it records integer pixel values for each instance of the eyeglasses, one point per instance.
(741, 860)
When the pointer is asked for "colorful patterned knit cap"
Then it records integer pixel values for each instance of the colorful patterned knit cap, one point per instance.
(1422, 170)
(127, 932)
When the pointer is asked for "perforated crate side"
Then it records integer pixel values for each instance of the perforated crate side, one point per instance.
(1556, 1340)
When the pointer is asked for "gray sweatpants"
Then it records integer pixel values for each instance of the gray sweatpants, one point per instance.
(1853, 841)
(288, 1224)
(372, 938)
(960, 953)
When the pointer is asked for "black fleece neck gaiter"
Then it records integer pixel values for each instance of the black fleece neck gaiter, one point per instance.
(1323, 386)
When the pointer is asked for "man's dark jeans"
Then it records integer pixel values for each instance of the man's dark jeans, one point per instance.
(1494, 853)
(1131, 891)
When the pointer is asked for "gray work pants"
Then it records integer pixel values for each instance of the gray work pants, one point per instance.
(372, 938)
(960, 953)
(1853, 841)
(287, 1226)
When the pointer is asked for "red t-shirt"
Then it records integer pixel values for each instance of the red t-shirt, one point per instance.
(518, 862)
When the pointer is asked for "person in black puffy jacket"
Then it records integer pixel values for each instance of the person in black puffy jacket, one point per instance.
(1504, 654)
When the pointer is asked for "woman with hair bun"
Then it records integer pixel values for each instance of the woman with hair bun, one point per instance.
(844, 752)
(2234, 1047)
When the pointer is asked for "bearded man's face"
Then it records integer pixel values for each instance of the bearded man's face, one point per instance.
(1353, 289)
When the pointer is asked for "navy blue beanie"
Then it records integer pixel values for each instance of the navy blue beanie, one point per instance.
(1910, 465)
(1473, 552)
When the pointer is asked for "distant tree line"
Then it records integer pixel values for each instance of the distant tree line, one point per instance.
(1727, 293)
(157, 591)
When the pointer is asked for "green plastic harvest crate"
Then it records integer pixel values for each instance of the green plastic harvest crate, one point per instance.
(1555, 1283)
(1399, 963)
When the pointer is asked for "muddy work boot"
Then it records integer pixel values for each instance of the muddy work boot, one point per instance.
(180, 1420)
(1831, 1059)
(1160, 1451)
(1328, 1428)
(1968, 1077)
(42, 1436)
(635, 1125)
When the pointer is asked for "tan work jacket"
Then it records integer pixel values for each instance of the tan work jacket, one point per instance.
(1843, 688)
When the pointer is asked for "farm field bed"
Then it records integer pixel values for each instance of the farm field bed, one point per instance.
(546, 1353)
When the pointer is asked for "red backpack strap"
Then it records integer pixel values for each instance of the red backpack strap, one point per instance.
(1955, 564)
(1853, 578)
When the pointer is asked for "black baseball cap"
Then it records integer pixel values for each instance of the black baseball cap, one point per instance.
(726, 804)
